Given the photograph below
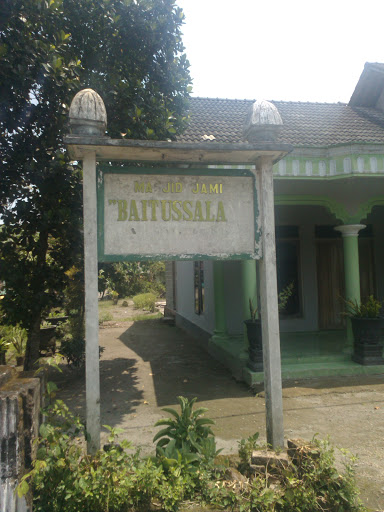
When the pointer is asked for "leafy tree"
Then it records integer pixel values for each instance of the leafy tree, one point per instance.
(131, 278)
(130, 52)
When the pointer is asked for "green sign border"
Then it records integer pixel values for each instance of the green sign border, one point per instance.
(145, 171)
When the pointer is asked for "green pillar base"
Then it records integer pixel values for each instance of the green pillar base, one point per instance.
(252, 378)
(220, 337)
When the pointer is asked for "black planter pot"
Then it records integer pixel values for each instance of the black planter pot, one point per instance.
(56, 320)
(367, 334)
(255, 348)
(47, 339)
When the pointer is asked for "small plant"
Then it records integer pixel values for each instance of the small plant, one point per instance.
(368, 308)
(17, 337)
(4, 345)
(253, 310)
(246, 447)
(187, 432)
(283, 298)
(56, 313)
(146, 301)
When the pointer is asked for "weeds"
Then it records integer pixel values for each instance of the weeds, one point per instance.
(118, 479)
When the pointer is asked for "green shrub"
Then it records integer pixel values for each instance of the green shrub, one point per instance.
(105, 317)
(146, 301)
(71, 336)
(117, 479)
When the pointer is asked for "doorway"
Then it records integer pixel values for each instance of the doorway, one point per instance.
(330, 283)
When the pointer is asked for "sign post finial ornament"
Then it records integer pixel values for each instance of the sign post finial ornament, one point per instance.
(263, 122)
(87, 114)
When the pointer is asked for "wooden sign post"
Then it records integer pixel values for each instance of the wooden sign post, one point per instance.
(178, 213)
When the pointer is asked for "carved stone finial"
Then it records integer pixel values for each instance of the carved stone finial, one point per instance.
(263, 122)
(87, 114)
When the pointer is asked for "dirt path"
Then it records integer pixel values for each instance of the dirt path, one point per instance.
(146, 365)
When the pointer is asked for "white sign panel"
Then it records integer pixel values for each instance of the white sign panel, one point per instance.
(178, 216)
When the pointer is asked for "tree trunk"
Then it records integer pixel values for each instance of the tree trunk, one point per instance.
(33, 345)
(33, 341)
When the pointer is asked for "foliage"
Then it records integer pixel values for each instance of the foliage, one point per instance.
(154, 277)
(283, 298)
(14, 335)
(146, 301)
(132, 278)
(317, 485)
(114, 296)
(71, 333)
(246, 447)
(187, 435)
(131, 52)
(117, 478)
(253, 310)
(4, 344)
(368, 308)
(55, 313)
(73, 349)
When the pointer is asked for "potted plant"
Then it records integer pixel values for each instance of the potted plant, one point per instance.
(367, 325)
(47, 337)
(18, 339)
(55, 317)
(255, 342)
(254, 332)
(4, 344)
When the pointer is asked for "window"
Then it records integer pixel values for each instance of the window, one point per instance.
(198, 269)
(287, 261)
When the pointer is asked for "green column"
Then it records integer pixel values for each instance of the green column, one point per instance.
(350, 233)
(249, 285)
(220, 330)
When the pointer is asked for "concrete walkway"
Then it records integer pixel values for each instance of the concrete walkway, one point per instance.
(146, 365)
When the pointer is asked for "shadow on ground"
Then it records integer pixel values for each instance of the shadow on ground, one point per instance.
(119, 389)
(180, 366)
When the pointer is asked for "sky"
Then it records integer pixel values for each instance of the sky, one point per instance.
(292, 50)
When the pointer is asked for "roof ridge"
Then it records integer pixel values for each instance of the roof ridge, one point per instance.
(293, 102)
(218, 99)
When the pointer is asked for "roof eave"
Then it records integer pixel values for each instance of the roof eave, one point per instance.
(174, 152)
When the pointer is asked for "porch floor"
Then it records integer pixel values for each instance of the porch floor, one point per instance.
(316, 354)
(303, 355)
(314, 347)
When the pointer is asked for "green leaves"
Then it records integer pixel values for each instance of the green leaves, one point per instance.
(64, 478)
(22, 488)
(128, 51)
(188, 433)
(367, 308)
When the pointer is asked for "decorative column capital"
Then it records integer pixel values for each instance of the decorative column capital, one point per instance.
(350, 229)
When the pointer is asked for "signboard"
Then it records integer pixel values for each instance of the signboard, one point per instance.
(177, 214)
